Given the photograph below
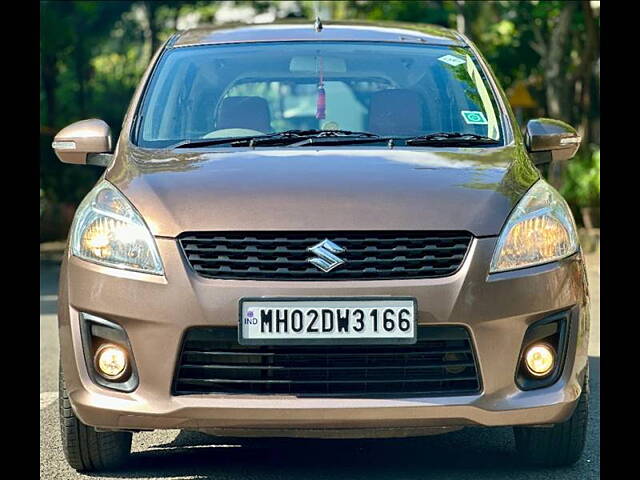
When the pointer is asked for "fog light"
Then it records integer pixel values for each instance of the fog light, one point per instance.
(111, 361)
(539, 359)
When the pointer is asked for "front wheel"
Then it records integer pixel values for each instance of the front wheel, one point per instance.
(84, 448)
(559, 445)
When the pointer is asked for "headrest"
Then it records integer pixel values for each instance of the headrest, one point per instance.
(396, 112)
(244, 112)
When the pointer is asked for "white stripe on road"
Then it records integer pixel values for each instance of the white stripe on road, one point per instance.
(47, 398)
(48, 298)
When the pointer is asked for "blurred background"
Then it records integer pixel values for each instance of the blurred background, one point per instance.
(546, 55)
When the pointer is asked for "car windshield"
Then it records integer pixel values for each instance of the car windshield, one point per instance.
(247, 90)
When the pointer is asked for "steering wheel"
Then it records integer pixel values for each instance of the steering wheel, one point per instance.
(233, 132)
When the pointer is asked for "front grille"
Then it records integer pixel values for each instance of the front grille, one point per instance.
(284, 255)
(442, 362)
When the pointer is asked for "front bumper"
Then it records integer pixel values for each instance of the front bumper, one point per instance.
(155, 311)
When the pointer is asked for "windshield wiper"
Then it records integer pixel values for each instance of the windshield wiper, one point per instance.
(283, 137)
(292, 136)
(340, 140)
(204, 142)
(454, 139)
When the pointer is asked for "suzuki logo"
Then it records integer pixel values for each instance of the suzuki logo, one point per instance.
(326, 260)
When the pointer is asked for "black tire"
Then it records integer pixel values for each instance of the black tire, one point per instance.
(84, 448)
(560, 445)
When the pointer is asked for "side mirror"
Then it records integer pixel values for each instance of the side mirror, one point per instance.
(548, 140)
(87, 142)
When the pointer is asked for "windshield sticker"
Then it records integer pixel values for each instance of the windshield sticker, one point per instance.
(474, 118)
(452, 60)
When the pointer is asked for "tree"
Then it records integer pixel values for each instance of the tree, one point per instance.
(553, 57)
(55, 41)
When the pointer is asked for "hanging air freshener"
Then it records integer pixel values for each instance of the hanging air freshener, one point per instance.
(321, 103)
(321, 100)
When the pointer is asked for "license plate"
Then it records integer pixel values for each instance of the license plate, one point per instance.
(330, 321)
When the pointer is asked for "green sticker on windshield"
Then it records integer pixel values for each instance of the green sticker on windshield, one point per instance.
(474, 118)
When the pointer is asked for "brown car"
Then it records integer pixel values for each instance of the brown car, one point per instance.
(329, 231)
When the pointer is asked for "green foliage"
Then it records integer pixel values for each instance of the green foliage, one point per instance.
(438, 13)
(582, 182)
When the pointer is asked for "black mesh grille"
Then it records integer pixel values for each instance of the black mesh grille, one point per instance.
(284, 255)
(442, 362)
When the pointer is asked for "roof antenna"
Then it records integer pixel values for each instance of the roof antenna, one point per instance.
(317, 25)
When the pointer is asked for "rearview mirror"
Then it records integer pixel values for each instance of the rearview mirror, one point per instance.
(316, 64)
(547, 139)
(87, 142)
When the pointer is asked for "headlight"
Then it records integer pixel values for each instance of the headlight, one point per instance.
(541, 229)
(109, 231)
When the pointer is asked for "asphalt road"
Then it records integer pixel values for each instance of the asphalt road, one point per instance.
(472, 453)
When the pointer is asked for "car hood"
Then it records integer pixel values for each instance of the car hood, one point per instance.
(347, 188)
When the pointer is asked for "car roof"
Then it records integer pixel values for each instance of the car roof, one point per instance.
(289, 31)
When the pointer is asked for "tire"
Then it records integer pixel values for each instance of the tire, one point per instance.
(556, 446)
(84, 448)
